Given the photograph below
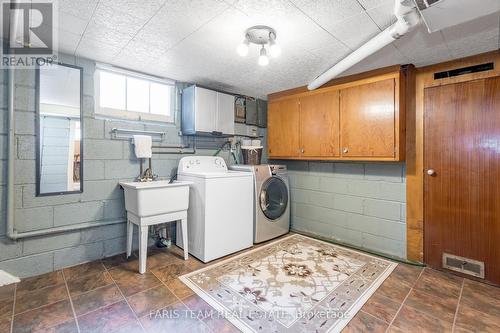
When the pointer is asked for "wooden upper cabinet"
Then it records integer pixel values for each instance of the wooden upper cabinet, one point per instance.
(368, 116)
(283, 119)
(358, 118)
(319, 125)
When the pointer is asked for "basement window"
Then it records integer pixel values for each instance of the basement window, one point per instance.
(129, 95)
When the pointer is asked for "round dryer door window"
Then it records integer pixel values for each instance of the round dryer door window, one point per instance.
(273, 198)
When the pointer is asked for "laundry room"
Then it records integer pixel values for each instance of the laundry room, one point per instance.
(249, 166)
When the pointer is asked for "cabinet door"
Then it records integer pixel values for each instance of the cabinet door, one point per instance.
(283, 128)
(319, 125)
(261, 113)
(225, 113)
(205, 110)
(367, 114)
(251, 112)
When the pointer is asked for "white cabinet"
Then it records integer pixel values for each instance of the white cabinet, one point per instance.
(205, 110)
(225, 113)
(208, 111)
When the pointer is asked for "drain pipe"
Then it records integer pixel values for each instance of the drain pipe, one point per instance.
(407, 18)
(10, 157)
(11, 130)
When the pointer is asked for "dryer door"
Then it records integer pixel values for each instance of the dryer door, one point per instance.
(273, 198)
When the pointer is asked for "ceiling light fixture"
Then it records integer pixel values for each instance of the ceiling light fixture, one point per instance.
(260, 35)
(263, 59)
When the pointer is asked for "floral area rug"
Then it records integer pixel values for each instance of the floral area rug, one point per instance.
(295, 284)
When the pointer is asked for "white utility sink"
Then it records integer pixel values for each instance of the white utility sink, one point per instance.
(152, 203)
(155, 198)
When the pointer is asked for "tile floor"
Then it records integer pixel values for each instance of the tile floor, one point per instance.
(110, 296)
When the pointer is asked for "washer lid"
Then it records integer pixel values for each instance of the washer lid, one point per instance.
(204, 164)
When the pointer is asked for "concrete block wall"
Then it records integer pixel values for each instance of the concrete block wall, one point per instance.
(106, 162)
(360, 204)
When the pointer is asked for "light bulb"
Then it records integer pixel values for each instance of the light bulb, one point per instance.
(263, 59)
(274, 48)
(242, 49)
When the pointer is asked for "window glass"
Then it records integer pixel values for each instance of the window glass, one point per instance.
(112, 91)
(137, 95)
(160, 98)
(124, 96)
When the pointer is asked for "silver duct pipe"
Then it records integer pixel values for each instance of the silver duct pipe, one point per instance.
(407, 18)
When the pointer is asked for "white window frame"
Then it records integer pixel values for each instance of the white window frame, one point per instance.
(126, 114)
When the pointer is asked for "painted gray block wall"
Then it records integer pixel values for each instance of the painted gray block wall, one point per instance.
(360, 204)
(106, 162)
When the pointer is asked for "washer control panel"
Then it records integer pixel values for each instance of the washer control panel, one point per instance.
(202, 164)
(277, 169)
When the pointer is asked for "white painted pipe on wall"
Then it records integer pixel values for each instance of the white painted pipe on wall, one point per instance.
(64, 228)
(10, 156)
(407, 18)
(14, 23)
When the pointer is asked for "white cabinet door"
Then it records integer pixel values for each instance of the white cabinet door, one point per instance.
(225, 113)
(206, 110)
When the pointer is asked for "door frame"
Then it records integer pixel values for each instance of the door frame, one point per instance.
(415, 141)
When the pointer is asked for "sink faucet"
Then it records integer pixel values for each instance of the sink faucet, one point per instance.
(147, 175)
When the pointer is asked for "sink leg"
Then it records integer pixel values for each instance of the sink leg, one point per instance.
(130, 233)
(143, 248)
(184, 238)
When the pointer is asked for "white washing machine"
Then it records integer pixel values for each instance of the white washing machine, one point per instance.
(271, 200)
(220, 214)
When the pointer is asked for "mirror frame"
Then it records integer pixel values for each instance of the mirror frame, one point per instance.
(37, 132)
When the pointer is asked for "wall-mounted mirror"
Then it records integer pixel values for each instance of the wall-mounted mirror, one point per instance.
(59, 129)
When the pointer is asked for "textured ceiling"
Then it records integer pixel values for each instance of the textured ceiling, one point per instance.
(195, 40)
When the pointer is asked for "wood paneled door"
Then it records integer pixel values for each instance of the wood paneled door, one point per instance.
(283, 118)
(368, 116)
(462, 173)
(319, 124)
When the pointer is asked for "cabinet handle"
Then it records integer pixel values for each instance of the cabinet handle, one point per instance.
(302, 150)
(345, 150)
